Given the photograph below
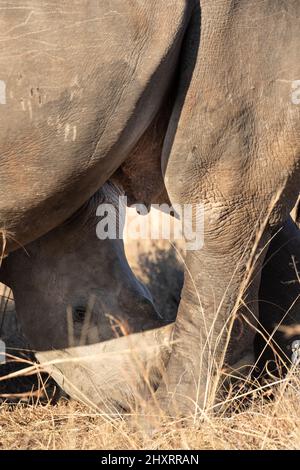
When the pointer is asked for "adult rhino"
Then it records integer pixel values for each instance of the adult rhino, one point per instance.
(81, 86)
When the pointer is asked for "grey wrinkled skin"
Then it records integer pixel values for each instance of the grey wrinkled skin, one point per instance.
(233, 145)
(84, 86)
(83, 82)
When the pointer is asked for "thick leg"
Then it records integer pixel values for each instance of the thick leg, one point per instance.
(232, 145)
(210, 328)
(279, 305)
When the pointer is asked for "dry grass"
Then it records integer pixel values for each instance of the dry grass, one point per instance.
(70, 425)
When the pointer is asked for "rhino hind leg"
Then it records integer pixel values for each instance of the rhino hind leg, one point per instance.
(279, 303)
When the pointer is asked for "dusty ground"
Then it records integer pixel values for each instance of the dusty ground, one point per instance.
(244, 422)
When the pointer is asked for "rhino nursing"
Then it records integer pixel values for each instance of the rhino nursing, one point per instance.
(190, 101)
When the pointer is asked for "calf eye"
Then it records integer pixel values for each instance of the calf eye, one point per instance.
(79, 314)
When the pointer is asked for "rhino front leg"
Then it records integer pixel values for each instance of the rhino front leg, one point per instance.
(210, 328)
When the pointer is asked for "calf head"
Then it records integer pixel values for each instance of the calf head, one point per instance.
(75, 297)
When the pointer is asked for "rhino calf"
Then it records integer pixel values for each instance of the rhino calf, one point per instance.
(92, 324)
